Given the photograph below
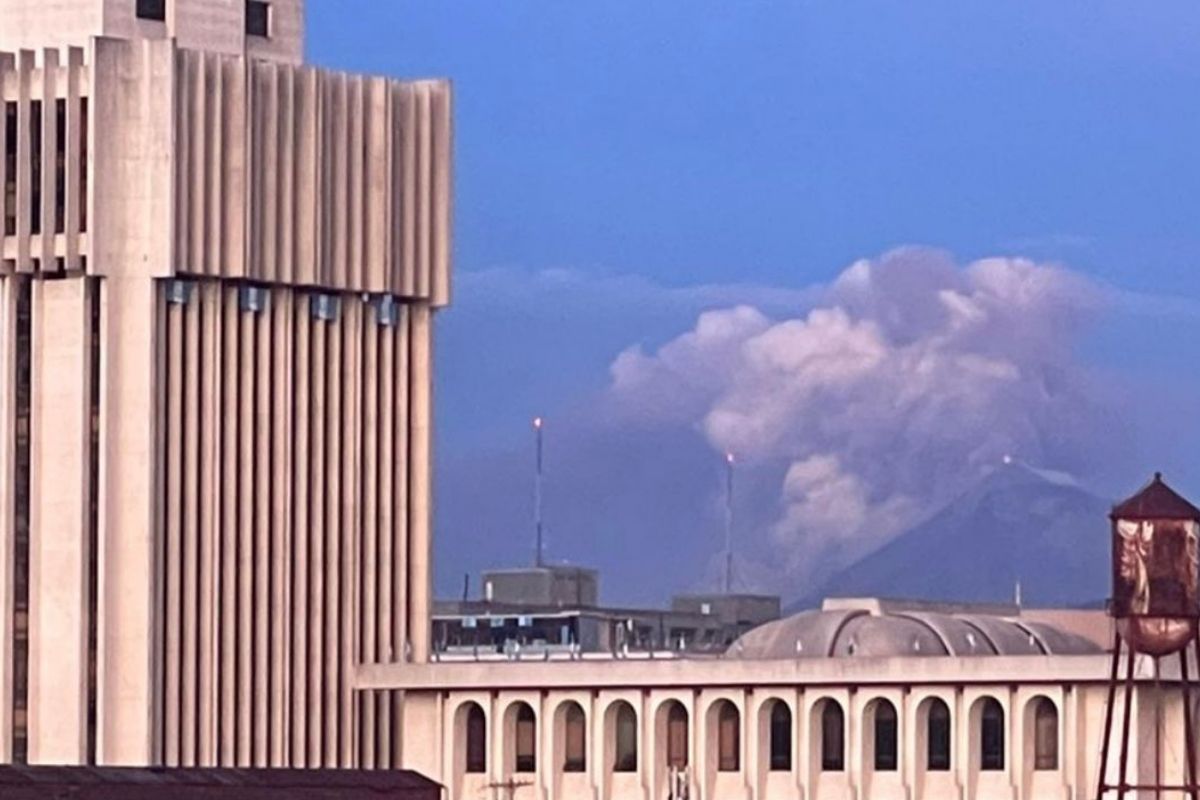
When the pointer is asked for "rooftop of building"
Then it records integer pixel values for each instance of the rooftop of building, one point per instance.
(882, 628)
(271, 31)
(1156, 501)
(544, 569)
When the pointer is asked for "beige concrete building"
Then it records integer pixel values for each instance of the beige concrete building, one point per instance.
(218, 269)
(864, 700)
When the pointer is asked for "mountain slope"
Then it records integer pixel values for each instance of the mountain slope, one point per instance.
(1017, 524)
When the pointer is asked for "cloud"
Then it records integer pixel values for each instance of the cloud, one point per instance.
(513, 286)
(902, 380)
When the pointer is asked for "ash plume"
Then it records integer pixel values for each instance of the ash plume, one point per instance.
(909, 377)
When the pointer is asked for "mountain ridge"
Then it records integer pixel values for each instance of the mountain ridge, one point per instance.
(1016, 524)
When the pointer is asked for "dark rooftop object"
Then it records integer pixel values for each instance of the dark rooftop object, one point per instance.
(1156, 501)
(114, 783)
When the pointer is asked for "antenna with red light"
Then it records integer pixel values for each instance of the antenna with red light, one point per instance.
(538, 558)
(729, 464)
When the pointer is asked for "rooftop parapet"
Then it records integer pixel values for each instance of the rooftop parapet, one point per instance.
(270, 29)
(189, 163)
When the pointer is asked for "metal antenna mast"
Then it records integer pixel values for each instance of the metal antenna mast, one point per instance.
(538, 560)
(729, 523)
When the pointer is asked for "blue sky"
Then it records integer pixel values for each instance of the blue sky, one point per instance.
(612, 156)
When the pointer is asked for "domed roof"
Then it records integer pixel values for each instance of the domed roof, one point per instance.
(881, 629)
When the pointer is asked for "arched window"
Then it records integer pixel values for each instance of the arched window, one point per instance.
(729, 737)
(677, 736)
(476, 730)
(575, 743)
(526, 740)
(991, 737)
(833, 737)
(886, 737)
(1045, 735)
(781, 737)
(625, 756)
(937, 739)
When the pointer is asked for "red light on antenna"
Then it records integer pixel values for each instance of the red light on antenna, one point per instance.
(537, 422)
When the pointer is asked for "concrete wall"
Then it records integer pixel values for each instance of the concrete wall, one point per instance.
(1074, 685)
(214, 25)
(279, 423)
(542, 587)
(441, 755)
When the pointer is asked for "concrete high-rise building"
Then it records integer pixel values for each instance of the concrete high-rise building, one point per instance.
(218, 269)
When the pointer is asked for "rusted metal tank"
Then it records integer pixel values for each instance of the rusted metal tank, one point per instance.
(1156, 558)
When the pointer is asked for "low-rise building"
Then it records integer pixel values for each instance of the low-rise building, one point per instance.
(863, 698)
(554, 611)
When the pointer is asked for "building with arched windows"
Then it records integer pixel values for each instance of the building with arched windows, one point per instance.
(863, 699)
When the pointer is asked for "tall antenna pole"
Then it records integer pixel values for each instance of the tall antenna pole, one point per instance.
(537, 493)
(728, 523)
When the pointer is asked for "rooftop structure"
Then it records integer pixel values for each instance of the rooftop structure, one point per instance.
(554, 611)
(542, 587)
(1156, 501)
(872, 628)
(269, 29)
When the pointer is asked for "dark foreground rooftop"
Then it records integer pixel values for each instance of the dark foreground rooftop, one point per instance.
(106, 783)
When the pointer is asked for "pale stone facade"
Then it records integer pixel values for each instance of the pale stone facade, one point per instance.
(215, 26)
(218, 270)
(1068, 692)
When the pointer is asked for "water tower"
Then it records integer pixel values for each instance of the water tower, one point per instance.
(1156, 605)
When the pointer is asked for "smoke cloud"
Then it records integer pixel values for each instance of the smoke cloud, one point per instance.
(909, 377)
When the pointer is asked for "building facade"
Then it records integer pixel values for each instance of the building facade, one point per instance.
(554, 610)
(865, 700)
(218, 272)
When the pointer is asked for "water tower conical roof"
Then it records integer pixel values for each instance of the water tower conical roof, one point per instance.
(1156, 501)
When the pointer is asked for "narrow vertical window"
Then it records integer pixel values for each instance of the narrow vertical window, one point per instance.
(625, 757)
(10, 169)
(93, 530)
(526, 736)
(83, 164)
(20, 733)
(60, 165)
(886, 737)
(677, 736)
(781, 737)
(833, 737)
(35, 160)
(258, 18)
(476, 749)
(937, 742)
(991, 737)
(1045, 735)
(729, 738)
(575, 746)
